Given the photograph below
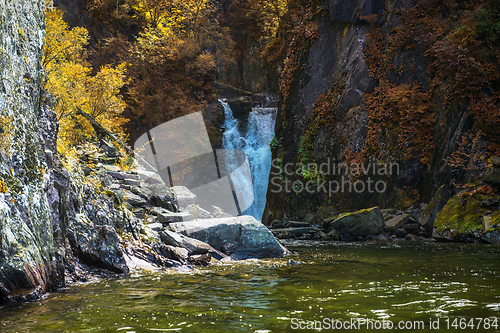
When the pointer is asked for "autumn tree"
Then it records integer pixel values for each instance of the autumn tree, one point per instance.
(70, 81)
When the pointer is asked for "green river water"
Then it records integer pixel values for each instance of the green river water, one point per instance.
(443, 283)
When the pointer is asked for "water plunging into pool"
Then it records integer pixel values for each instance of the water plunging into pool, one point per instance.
(253, 137)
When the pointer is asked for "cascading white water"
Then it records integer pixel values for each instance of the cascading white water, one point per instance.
(254, 141)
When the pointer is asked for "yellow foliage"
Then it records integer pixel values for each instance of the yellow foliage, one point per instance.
(62, 44)
(3, 187)
(70, 81)
(269, 13)
(6, 132)
(174, 17)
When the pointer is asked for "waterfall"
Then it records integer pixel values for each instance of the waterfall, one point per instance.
(253, 138)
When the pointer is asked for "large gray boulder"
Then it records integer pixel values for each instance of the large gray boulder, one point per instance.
(358, 225)
(240, 237)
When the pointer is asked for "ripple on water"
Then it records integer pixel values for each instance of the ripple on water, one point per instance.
(339, 280)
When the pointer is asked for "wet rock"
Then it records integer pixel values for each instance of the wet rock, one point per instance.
(439, 200)
(253, 238)
(292, 262)
(194, 246)
(491, 236)
(180, 254)
(200, 259)
(29, 234)
(358, 225)
(241, 107)
(396, 222)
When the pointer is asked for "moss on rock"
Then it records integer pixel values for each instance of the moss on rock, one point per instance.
(463, 216)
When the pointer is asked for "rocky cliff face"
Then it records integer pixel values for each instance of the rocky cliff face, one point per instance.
(359, 85)
(27, 251)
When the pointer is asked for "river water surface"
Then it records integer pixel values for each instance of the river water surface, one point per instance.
(339, 281)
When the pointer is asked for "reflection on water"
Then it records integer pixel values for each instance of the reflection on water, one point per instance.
(339, 281)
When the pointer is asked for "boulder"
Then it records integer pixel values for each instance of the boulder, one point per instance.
(396, 222)
(193, 246)
(241, 107)
(242, 237)
(200, 259)
(466, 215)
(358, 225)
(428, 216)
(184, 196)
(491, 236)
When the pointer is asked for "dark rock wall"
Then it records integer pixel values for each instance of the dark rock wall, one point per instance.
(27, 252)
(335, 66)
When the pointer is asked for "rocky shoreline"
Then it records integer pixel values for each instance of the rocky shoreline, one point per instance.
(470, 216)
